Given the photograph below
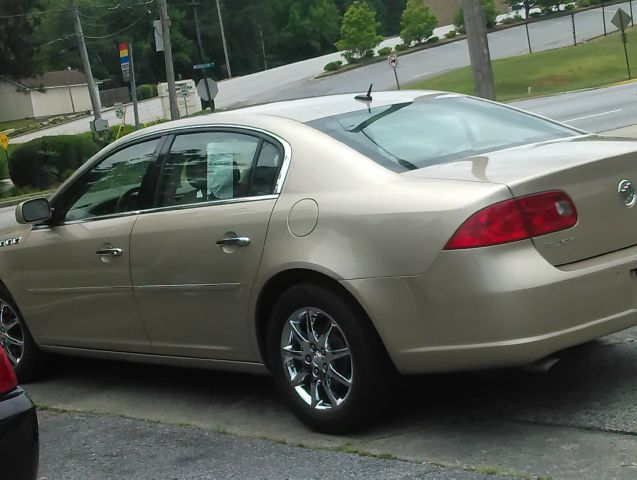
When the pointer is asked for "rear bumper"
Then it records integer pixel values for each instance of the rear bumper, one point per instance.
(498, 307)
(19, 437)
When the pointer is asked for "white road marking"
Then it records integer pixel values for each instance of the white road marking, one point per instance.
(591, 116)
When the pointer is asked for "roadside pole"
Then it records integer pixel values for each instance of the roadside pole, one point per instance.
(92, 88)
(393, 63)
(202, 60)
(621, 20)
(168, 59)
(223, 40)
(574, 32)
(476, 27)
(528, 36)
(604, 17)
(133, 86)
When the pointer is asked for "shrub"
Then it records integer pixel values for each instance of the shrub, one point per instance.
(401, 47)
(333, 66)
(383, 52)
(358, 32)
(569, 7)
(451, 34)
(433, 39)
(146, 91)
(509, 20)
(417, 22)
(48, 161)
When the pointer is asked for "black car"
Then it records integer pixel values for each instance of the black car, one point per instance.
(19, 441)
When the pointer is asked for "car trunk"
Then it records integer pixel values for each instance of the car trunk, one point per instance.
(589, 169)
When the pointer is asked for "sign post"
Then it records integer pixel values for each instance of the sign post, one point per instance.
(183, 91)
(393, 63)
(128, 74)
(208, 97)
(621, 20)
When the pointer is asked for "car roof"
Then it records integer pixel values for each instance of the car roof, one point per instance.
(307, 109)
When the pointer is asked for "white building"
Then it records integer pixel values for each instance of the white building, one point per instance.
(46, 95)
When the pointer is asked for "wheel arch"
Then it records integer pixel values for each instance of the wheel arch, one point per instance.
(284, 280)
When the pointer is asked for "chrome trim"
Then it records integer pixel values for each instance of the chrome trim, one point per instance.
(38, 291)
(234, 242)
(188, 287)
(209, 203)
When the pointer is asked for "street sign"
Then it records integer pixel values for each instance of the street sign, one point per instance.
(203, 66)
(183, 90)
(203, 92)
(124, 61)
(119, 110)
(159, 36)
(4, 141)
(621, 19)
(393, 61)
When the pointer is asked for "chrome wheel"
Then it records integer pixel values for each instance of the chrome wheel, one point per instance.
(316, 358)
(11, 333)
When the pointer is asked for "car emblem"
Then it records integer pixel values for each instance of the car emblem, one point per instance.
(627, 194)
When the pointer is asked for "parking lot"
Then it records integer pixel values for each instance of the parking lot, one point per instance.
(579, 420)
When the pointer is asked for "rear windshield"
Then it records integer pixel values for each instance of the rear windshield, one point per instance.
(436, 129)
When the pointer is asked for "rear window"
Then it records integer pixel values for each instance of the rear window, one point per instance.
(436, 129)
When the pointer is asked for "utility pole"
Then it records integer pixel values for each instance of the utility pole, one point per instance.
(202, 59)
(223, 40)
(92, 88)
(476, 27)
(133, 86)
(168, 59)
(265, 58)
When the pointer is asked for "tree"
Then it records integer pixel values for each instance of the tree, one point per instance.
(525, 5)
(358, 32)
(490, 15)
(18, 39)
(418, 22)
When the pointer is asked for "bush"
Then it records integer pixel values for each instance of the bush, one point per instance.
(146, 91)
(433, 39)
(451, 34)
(569, 7)
(401, 47)
(358, 32)
(48, 161)
(383, 52)
(514, 19)
(333, 66)
(417, 22)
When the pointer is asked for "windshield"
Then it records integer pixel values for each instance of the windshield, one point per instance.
(436, 129)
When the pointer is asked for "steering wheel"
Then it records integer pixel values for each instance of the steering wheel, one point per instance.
(124, 201)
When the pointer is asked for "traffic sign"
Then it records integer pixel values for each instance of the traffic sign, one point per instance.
(203, 66)
(621, 19)
(4, 141)
(124, 61)
(393, 61)
(183, 90)
(203, 92)
(119, 110)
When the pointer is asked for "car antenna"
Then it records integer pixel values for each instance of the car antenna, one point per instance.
(365, 98)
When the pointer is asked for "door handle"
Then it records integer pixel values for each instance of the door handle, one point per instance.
(234, 242)
(110, 252)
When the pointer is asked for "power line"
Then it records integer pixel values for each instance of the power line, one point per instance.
(47, 12)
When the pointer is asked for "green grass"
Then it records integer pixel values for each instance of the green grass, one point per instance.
(596, 63)
(18, 124)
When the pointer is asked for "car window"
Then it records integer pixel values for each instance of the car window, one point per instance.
(436, 129)
(115, 184)
(267, 170)
(208, 166)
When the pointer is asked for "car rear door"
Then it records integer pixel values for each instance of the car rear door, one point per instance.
(74, 274)
(195, 258)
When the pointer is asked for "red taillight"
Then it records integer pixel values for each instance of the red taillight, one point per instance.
(8, 380)
(516, 219)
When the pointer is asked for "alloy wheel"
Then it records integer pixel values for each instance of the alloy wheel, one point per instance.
(316, 358)
(11, 333)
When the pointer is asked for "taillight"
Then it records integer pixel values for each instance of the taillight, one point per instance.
(8, 380)
(516, 219)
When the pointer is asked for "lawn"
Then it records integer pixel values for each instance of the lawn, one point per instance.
(595, 63)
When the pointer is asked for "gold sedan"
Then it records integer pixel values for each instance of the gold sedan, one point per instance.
(333, 241)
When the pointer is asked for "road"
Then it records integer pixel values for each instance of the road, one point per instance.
(99, 447)
(298, 79)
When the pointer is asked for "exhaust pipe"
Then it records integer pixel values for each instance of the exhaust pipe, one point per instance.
(542, 366)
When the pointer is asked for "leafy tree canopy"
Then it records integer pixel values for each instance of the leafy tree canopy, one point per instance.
(418, 22)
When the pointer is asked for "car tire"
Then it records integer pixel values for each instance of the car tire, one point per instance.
(25, 357)
(311, 369)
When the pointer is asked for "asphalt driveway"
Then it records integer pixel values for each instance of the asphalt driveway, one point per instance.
(578, 421)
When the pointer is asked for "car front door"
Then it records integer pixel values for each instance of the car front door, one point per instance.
(195, 258)
(74, 274)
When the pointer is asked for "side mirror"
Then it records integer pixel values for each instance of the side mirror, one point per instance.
(33, 211)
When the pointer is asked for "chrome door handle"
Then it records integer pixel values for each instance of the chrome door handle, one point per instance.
(110, 252)
(234, 242)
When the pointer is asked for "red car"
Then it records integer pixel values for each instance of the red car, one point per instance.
(19, 438)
